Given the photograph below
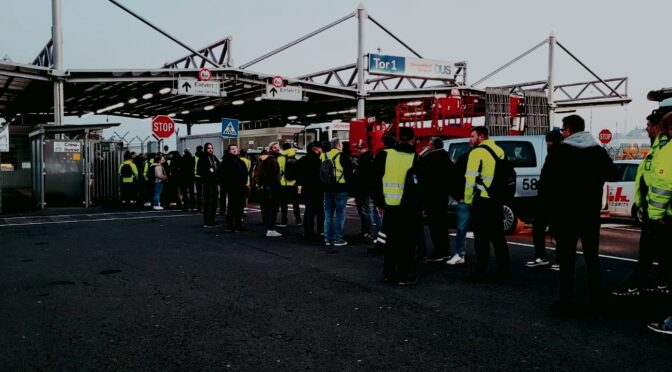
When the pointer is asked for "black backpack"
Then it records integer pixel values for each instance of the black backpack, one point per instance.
(328, 171)
(290, 168)
(503, 186)
(126, 171)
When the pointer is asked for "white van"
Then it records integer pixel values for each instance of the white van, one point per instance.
(621, 196)
(527, 155)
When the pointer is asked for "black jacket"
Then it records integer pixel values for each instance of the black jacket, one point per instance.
(309, 173)
(574, 178)
(363, 179)
(207, 168)
(232, 173)
(270, 172)
(436, 176)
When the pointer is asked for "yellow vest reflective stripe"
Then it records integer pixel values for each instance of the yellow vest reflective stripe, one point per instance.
(196, 167)
(397, 165)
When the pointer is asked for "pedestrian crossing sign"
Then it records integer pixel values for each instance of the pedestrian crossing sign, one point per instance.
(230, 128)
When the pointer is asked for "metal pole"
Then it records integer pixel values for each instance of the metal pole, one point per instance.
(171, 37)
(361, 87)
(57, 37)
(257, 60)
(551, 87)
(87, 171)
(42, 171)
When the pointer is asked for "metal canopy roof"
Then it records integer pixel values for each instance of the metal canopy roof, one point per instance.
(28, 90)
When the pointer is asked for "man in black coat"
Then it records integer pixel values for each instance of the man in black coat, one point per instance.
(311, 189)
(435, 176)
(576, 173)
(362, 188)
(207, 170)
(233, 178)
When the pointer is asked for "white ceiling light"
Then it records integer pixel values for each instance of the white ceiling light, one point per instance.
(293, 117)
(257, 98)
(164, 90)
(238, 102)
(132, 100)
(353, 110)
(88, 114)
(311, 115)
(184, 112)
(171, 115)
(208, 108)
(147, 96)
(332, 113)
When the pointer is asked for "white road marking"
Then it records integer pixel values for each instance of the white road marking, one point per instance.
(470, 235)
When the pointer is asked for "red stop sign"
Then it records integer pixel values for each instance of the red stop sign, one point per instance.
(605, 136)
(163, 126)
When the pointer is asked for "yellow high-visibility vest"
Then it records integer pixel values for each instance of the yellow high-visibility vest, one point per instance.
(397, 165)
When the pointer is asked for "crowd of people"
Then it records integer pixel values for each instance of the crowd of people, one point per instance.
(397, 192)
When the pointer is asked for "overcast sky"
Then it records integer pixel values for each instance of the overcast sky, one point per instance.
(614, 38)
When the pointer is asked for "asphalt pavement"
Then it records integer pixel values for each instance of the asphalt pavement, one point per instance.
(137, 290)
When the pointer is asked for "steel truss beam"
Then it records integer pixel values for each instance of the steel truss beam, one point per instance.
(580, 93)
(221, 50)
(46, 56)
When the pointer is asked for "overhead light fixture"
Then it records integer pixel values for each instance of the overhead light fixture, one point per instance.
(208, 108)
(88, 114)
(257, 98)
(293, 117)
(132, 100)
(238, 102)
(352, 110)
(311, 115)
(147, 96)
(108, 108)
(332, 113)
(164, 90)
(171, 115)
(184, 112)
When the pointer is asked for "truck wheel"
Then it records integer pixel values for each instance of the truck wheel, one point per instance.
(637, 214)
(512, 224)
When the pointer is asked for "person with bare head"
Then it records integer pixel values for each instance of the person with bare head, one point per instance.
(577, 171)
(233, 178)
(207, 170)
(659, 212)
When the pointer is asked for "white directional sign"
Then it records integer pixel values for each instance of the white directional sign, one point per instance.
(286, 93)
(194, 87)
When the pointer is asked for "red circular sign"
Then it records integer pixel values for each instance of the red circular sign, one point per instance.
(605, 136)
(163, 126)
(278, 81)
(204, 74)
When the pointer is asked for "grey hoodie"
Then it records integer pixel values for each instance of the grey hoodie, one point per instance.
(581, 140)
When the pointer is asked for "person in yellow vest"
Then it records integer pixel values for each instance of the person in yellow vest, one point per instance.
(248, 165)
(289, 190)
(660, 212)
(397, 194)
(486, 212)
(639, 280)
(128, 173)
(335, 194)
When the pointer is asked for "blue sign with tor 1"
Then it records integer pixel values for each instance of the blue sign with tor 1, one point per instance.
(230, 128)
(386, 65)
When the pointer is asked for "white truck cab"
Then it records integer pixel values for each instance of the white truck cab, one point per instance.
(527, 155)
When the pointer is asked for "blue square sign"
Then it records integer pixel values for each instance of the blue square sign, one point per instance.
(230, 128)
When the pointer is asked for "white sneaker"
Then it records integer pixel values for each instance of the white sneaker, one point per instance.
(272, 234)
(456, 259)
(158, 208)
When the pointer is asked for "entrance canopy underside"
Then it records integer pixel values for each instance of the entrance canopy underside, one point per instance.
(27, 90)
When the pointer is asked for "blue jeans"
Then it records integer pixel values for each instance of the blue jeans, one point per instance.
(462, 228)
(334, 215)
(158, 188)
